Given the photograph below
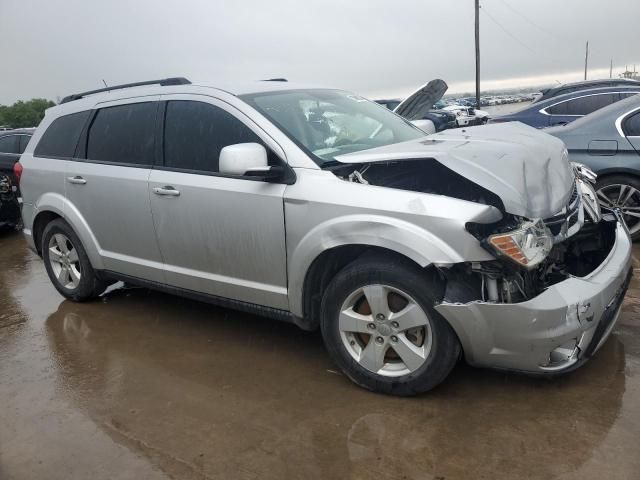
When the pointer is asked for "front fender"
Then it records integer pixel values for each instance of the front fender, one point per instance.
(418, 244)
(58, 204)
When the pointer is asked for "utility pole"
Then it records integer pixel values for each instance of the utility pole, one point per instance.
(586, 60)
(477, 53)
(611, 69)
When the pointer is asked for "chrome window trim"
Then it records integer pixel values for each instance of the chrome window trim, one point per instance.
(621, 118)
(544, 112)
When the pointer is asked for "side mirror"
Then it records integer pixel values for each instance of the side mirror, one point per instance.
(240, 158)
(426, 126)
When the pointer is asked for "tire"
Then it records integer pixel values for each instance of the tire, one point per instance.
(610, 187)
(396, 281)
(73, 276)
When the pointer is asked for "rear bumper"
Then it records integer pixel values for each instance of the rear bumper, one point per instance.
(553, 332)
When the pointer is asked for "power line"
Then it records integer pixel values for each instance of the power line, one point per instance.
(484, 10)
(527, 19)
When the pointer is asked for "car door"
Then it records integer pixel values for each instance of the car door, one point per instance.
(107, 182)
(220, 235)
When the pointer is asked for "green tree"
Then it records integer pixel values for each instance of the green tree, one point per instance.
(24, 114)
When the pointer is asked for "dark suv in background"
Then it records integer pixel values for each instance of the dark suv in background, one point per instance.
(12, 144)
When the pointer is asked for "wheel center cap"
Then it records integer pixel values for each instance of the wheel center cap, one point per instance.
(384, 329)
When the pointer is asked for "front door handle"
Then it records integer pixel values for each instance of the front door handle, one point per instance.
(77, 180)
(166, 191)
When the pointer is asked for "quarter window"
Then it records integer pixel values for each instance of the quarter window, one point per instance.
(632, 126)
(8, 144)
(24, 141)
(123, 134)
(196, 132)
(583, 105)
(61, 138)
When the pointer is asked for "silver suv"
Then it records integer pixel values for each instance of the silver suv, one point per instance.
(318, 207)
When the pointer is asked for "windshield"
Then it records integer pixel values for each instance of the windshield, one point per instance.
(328, 123)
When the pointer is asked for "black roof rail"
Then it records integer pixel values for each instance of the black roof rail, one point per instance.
(275, 80)
(163, 82)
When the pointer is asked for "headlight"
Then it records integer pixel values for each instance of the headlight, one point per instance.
(527, 246)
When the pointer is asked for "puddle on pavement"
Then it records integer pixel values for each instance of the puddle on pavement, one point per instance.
(145, 385)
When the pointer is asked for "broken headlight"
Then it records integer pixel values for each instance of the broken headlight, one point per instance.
(527, 246)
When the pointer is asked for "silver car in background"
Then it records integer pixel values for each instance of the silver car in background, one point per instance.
(321, 208)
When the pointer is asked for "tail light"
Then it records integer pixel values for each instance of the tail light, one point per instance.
(17, 171)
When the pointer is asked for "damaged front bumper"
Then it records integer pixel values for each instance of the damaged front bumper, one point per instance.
(553, 332)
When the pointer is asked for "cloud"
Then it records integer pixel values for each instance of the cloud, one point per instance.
(56, 47)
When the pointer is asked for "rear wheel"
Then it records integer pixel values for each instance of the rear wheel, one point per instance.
(380, 327)
(622, 192)
(67, 263)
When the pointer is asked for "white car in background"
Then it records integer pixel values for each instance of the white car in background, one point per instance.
(468, 116)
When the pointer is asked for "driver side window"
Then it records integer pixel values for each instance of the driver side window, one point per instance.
(195, 133)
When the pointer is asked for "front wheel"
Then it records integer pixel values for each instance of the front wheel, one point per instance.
(380, 327)
(623, 193)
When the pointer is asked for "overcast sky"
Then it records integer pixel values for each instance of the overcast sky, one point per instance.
(51, 48)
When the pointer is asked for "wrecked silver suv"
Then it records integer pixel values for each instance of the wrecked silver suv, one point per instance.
(318, 207)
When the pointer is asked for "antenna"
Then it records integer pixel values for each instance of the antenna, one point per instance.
(105, 83)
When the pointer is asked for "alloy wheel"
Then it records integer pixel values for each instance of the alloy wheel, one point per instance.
(623, 197)
(385, 330)
(64, 261)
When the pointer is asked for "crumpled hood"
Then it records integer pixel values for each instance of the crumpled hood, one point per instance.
(528, 169)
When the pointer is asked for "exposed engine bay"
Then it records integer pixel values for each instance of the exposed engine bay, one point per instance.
(423, 175)
(504, 282)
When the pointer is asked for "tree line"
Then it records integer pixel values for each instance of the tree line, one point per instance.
(24, 114)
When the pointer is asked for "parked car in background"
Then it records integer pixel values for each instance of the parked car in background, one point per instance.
(567, 108)
(468, 116)
(419, 107)
(12, 144)
(318, 207)
(608, 141)
(584, 85)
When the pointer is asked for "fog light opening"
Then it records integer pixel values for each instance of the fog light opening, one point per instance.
(563, 356)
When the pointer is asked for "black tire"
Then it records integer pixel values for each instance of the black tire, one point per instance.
(628, 180)
(89, 286)
(418, 284)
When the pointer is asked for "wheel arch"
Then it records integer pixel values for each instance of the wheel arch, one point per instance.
(53, 206)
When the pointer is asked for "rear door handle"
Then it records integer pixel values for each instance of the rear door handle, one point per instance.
(77, 180)
(168, 191)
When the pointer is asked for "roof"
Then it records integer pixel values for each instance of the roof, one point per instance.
(17, 131)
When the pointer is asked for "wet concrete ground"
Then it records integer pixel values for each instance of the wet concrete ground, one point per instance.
(143, 386)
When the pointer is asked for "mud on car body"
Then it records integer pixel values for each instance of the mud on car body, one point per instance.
(318, 207)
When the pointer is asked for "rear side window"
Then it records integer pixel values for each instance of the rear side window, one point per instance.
(24, 141)
(8, 144)
(632, 126)
(123, 134)
(61, 138)
(195, 132)
(583, 105)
